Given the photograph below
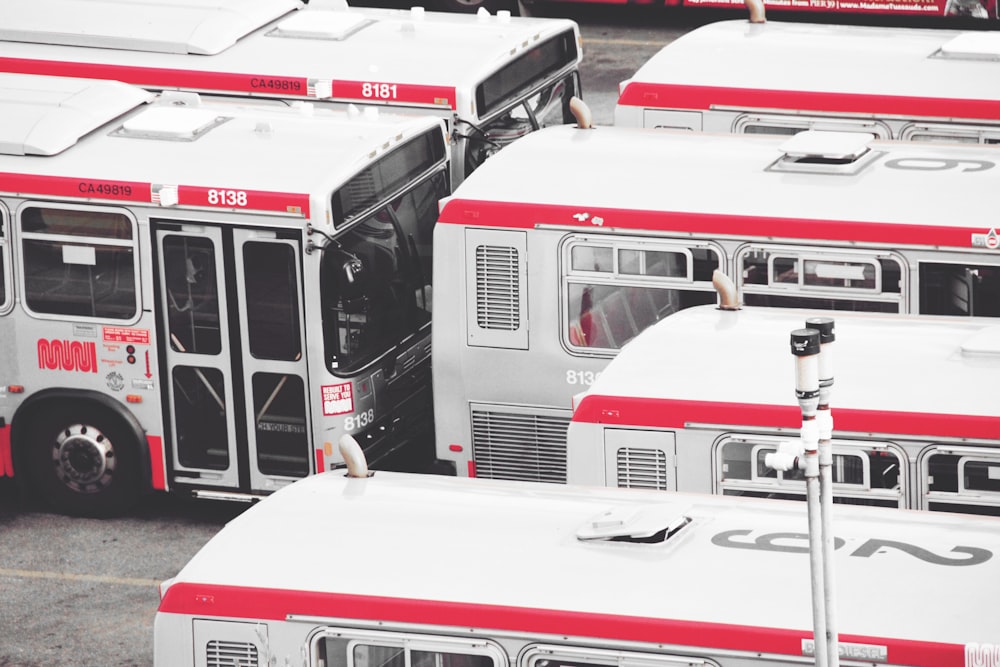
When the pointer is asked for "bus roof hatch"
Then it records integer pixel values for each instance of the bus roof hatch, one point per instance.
(971, 46)
(645, 523)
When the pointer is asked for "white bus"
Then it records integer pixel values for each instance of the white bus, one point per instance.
(696, 401)
(491, 78)
(576, 240)
(422, 571)
(199, 297)
(782, 78)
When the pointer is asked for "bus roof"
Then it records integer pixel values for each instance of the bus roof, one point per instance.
(493, 554)
(892, 70)
(277, 48)
(283, 158)
(892, 373)
(897, 193)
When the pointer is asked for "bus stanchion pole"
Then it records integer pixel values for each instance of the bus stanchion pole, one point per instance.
(824, 421)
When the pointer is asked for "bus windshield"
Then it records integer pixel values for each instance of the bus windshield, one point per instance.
(376, 277)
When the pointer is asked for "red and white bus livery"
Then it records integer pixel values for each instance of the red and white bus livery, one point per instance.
(430, 571)
(697, 401)
(491, 78)
(578, 239)
(782, 78)
(199, 296)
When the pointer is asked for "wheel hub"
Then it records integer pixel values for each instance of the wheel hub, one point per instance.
(84, 458)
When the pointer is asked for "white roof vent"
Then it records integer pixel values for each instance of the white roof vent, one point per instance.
(972, 46)
(648, 523)
(825, 152)
(321, 24)
(171, 123)
(824, 145)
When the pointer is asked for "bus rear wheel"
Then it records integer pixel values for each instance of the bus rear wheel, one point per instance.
(81, 461)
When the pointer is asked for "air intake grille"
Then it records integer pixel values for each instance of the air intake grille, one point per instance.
(497, 288)
(230, 654)
(642, 468)
(520, 447)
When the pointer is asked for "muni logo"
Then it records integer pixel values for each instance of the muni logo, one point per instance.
(67, 355)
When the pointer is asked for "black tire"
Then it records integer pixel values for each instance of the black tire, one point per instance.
(80, 458)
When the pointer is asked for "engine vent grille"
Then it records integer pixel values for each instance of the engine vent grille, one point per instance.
(642, 468)
(519, 446)
(230, 654)
(497, 288)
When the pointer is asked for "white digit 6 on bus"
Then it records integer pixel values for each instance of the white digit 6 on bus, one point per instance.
(360, 420)
(380, 91)
(227, 197)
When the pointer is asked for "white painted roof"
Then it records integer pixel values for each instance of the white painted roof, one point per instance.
(616, 171)
(172, 27)
(392, 46)
(514, 544)
(44, 116)
(876, 60)
(899, 363)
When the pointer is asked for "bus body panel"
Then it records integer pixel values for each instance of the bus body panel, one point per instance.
(883, 232)
(174, 271)
(902, 83)
(538, 542)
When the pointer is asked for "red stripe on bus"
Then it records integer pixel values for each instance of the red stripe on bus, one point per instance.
(676, 96)
(6, 458)
(320, 462)
(157, 462)
(188, 195)
(268, 85)
(528, 216)
(252, 200)
(77, 188)
(159, 77)
(671, 413)
(271, 604)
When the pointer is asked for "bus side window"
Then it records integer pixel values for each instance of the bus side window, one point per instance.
(4, 264)
(960, 289)
(962, 479)
(79, 262)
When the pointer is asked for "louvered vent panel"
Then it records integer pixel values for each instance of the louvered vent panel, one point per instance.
(230, 654)
(497, 288)
(519, 446)
(642, 468)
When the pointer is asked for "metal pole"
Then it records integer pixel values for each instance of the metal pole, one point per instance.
(824, 420)
(805, 348)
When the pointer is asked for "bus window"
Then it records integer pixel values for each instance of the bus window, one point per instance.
(789, 125)
(549, 106)
(273, 306)
(4, 264)
(335, 648)
(811, 278)
(863, 473)
(192, 289)
(967, 134)
(571, 656)
(962, 480)
(377, 278)
(960, 289)
(79, 263)
(616, 289)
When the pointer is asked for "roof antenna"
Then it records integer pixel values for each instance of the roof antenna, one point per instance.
(756, 8)
(580, 111)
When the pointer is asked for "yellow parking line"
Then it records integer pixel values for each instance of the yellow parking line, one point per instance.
(68, 576)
